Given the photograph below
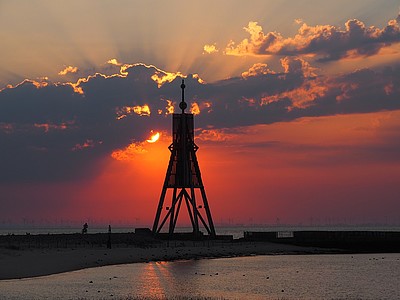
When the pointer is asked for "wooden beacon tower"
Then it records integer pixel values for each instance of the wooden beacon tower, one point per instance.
(183, 178)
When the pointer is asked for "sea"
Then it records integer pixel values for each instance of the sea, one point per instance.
(342, 276)
(318, 276)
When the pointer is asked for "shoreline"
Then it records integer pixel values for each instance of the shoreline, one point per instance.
(26, 256)
(34, 262)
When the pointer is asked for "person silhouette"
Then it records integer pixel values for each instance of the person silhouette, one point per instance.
(109, 237)
(85, 228)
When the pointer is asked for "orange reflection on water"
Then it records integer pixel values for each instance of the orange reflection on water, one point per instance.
(156, 279)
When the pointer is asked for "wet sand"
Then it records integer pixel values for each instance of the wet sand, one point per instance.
(23, 262)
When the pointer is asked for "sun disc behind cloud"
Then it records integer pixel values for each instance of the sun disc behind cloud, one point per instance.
(154, 138)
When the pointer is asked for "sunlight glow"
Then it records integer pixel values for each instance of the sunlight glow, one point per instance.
(114, 62)
(128, 154)
(47, 126)
(170, 107)
(210, 49)
(195, 109)
(154, 138)
(143, 110)
(86, 144)
(123, 112)
(69, 69)
(161, 77)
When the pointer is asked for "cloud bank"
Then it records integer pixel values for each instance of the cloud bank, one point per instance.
(326, 42)
(63, 131)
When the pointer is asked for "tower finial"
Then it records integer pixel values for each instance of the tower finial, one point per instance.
(183, 104)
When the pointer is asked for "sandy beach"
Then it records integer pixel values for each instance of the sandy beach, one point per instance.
(33, 261)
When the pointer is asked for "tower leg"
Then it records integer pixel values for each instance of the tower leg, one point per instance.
(188, 206)
(159, 209)
(208, 212)
(172, 213)
(195, 212)
(172, 209)
(177, 210)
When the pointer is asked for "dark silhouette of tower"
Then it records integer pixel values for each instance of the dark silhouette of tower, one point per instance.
(183, 178)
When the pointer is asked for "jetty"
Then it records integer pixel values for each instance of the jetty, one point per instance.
(352, 241)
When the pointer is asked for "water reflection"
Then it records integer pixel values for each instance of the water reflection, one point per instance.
(158, 279)
(151, 282)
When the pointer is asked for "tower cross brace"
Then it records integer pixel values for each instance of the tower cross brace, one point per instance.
(183, 177)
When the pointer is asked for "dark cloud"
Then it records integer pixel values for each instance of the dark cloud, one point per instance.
(326, 41)
(63, 131)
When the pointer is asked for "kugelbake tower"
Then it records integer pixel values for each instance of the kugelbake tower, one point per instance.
(183, 179)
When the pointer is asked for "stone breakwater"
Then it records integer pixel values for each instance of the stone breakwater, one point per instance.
(351, 241)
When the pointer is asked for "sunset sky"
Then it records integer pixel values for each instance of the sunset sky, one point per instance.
(297, 109)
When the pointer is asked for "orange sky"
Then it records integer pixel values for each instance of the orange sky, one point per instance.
(313, 171)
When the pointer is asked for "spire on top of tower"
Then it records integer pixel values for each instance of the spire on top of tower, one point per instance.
(183, 104)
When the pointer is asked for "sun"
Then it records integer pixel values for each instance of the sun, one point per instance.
(154, 138)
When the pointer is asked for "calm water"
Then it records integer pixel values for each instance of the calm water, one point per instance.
(362, 276)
